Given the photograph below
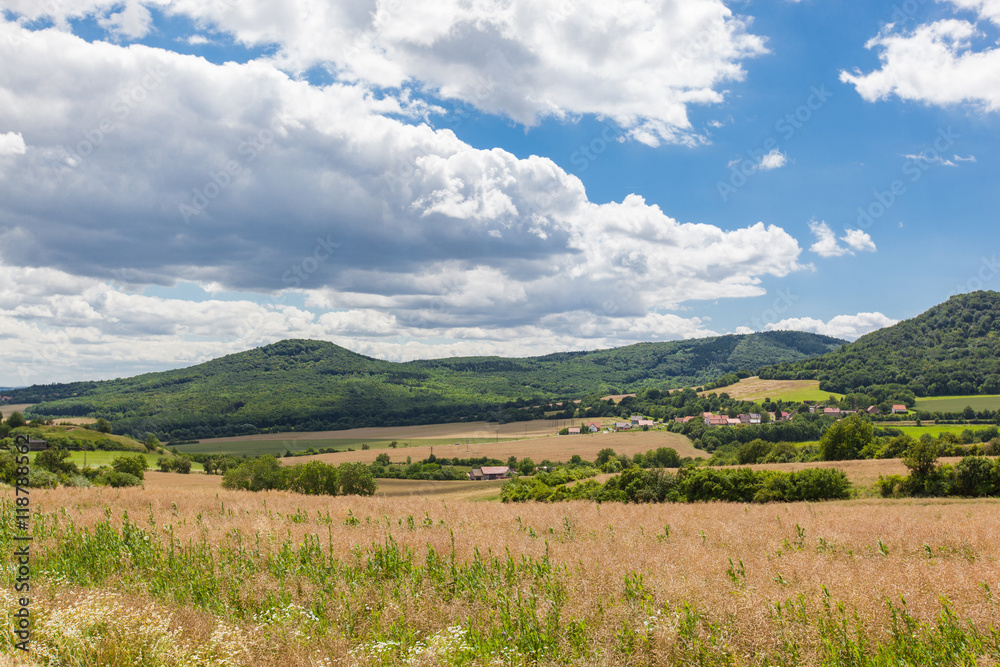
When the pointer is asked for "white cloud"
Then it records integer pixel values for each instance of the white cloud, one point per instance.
(642, 63)
(12, 143)
(849, 327)
(827, 245)
(773, 160)
(858, 240)
(936, 63)
(431, 246)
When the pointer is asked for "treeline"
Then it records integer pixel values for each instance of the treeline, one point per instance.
(313, 478)
(693, 484)
(52, 467)
(953, 349)
(974, 476)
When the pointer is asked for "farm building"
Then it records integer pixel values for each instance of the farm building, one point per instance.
(574, 430)
(489, 472)
(594, 427)
(899, 409)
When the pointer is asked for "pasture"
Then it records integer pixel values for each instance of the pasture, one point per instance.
(755, 389)
(212, 577)
(958, 403)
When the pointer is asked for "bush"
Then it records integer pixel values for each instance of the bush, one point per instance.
(42, 479)
(118, 480)
(135, 466)
(977, 476)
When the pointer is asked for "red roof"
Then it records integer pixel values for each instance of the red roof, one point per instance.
(495, 470)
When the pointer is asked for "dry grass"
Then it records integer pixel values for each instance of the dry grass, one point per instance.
(553, 448)
(455, 430)
(862, 552)
(755, 389)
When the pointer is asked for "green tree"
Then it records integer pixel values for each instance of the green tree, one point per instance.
(102, 426)
(314, 478)
(56, 460)
(16, 420)
(131, 465)
(383, 459)
(846, 438)
(152, 442)
(356, 479)
(526, 466)
(261, 474)
(920, 458)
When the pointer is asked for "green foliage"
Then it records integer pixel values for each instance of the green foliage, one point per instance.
(260, 474)
(181, 464)
(847, 438)
(131, 465)
(313, 478)
(356, 480)
(102, 426)
(692, 485)
(952, 349)
(119, 479)
(56, 461)
(16, 420)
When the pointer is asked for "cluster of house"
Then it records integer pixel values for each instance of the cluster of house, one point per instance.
(635, 421)
(6, 398)
(755, 418)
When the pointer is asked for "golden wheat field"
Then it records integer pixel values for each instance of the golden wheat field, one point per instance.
(192, 576)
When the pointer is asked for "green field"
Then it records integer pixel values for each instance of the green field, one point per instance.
(959, 403)
(279, 447)
(104, 458)
(936, 430)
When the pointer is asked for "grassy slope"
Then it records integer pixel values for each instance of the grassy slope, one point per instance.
(756, 389)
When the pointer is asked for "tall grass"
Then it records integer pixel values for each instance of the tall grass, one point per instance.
(194, 577)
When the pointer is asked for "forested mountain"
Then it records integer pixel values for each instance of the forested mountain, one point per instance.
(314, 385)
(952, 349)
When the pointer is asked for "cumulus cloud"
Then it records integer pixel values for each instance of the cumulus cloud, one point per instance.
(642, 63)
(827, 244)
(849, 327)
(937, 63)
(148, 167)
(772, 160)
(12, 143)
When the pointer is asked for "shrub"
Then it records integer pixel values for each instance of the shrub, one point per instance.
(131, 465)
(117, 479)
(39, 478)
(977, 476)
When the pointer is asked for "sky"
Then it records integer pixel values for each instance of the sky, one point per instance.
(185, 179)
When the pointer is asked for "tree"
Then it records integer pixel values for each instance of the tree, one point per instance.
(313, 478)
(356, 479)
(260, 474)
(102, 426)
(526, 466)
(16, 420)
(846, 438)
(56, 460)
(152, 442)
(131, 465)
(920, 458)
(383, 459)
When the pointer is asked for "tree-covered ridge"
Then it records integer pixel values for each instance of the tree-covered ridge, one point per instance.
(315, 385)
(952, 349)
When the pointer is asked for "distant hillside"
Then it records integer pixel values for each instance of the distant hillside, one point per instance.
(315, 385)
(952, 349)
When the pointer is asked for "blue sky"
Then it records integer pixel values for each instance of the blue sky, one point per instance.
(181, 180)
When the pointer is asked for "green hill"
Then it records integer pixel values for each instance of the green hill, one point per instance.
(952, 349)
(315, 385)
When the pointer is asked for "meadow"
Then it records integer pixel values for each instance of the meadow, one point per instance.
(958, 403)
(190, 576)
(756, 389)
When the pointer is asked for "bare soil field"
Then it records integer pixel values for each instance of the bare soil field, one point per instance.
(554, 448)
